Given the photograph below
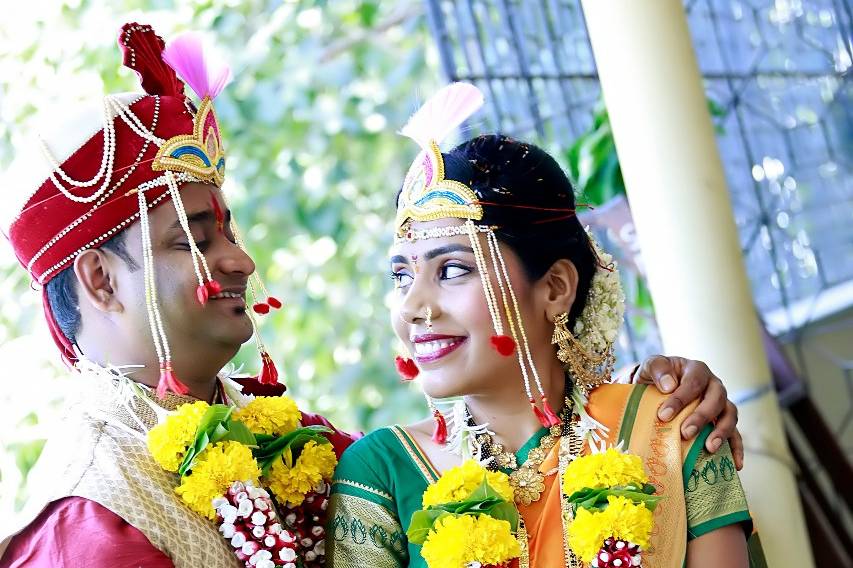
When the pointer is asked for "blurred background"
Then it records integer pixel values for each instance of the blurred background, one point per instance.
(320, 89)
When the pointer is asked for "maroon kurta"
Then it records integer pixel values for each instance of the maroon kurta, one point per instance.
(74, 532)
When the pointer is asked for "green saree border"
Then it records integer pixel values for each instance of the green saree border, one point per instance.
(362, 491)
(416, 454)
(720, 522)
(693, 453)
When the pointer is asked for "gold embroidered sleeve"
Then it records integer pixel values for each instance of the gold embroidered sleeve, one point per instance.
(363, 533)
(714, 495)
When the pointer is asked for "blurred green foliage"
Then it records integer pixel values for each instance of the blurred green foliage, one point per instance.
(314, 162)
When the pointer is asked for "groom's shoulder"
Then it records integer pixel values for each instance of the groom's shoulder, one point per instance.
(340, 439)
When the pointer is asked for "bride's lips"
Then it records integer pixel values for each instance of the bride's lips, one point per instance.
(433, 346)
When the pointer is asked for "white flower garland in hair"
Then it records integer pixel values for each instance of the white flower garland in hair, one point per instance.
(598, 325)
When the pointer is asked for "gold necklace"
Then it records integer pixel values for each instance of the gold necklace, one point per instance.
(527, 481)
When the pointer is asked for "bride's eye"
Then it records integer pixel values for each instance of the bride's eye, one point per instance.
(401, 278)
(451, 271)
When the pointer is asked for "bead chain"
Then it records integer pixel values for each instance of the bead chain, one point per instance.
(104, 197)
(106, 161)
(491, 300)
(512, 325)
(144, 187)
(147, 270)
(440, 232)
(494, 249)
(155, 301)
(182, 219)
(133, 121)
(240, 243)
(255, 280)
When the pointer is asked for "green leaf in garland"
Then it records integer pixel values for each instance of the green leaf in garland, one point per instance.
(596, 499)
(216, 426)
(270, 448)
(484, 500)
(422, 523)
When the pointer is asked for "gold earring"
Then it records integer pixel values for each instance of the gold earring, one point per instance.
(428, 319)
(587, 369)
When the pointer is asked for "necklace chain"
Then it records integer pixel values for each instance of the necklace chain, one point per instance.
(527, 481)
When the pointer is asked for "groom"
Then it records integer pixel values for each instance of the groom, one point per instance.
(109, 228)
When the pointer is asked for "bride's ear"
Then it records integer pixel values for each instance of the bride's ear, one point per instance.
(559, 288)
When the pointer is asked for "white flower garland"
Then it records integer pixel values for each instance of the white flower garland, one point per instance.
(598, 325)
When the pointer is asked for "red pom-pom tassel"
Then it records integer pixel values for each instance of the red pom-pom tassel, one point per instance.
(503, 344)
(550, 415)
(261, 308)
(169, 382)
(439, 435)
(213, 287)
(406, 368)
(202, 294)
(543, 420)
(269, 372)
(274, 302)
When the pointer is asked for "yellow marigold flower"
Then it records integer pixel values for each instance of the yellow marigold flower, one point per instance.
(275, 415)
(457, 484)
(216, 468)
(168, 441)
(605, 469)
(621, 519)
(455, 541)
(290, 483)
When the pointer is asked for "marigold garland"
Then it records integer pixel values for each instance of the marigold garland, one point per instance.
(213, 473)
(168, 441)
(221, 451)
(458, 540)
(468, 518)
(457, 484)
(276, 415)
(610, 468)
(290, 481)
(622, 519)
(612, 503)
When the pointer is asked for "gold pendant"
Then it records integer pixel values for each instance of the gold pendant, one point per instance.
(528, 484)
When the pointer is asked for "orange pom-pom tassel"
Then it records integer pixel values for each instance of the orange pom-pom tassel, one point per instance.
(439, 435)
(169, 382)
(503, 344)
(550, 415)
(406, 368)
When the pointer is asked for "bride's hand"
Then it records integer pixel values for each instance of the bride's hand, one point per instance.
(688, 380)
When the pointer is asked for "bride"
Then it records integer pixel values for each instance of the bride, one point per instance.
(509, 306)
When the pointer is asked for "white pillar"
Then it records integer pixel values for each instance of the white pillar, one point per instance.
(681, 207)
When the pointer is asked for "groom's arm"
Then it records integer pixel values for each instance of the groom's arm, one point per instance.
(78, 532)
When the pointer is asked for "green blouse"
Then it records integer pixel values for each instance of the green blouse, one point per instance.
(380, 479)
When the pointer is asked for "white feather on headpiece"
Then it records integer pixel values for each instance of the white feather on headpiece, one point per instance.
(442, 113)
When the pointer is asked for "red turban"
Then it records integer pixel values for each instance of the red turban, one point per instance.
(48, 226)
